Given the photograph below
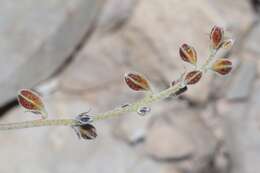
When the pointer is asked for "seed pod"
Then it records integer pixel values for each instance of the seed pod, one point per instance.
(193, 77)
(216, 36)
(137, 82)
(32, 102)
(87, 131)
(222, 66)
(188, 54)
(227, 44)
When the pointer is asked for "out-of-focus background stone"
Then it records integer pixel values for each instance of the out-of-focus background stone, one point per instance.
(76, 53)
(38, 37)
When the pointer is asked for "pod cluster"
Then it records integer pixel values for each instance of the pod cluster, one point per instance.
(219, 65)
(188, 54)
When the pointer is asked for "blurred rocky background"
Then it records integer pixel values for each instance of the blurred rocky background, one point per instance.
(75, 54)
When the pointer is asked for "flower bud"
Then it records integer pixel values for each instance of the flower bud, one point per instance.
(222, 66)
(216, 36)
(188, 54)
(32, 102)
(137, 82)
(193, 77)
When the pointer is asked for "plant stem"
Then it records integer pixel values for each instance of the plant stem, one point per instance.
(209, 59)
(146, 101)
(109, 114)
(39, 123)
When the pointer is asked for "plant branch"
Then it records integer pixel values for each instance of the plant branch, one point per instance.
(146, 101)
(82, 123)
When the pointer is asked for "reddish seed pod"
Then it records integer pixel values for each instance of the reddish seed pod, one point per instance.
(216, 36)
(193, 77)
(188, 54)
(32, 102)
(222, 66)
(137, 82)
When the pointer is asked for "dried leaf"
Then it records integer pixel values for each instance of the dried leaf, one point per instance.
(216, 36)
(193, 77)
(137, 82)
(188, 54)
(32, 102)
(222, 66)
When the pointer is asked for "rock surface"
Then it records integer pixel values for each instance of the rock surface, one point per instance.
(252, 41)
(37, 38)
(242, 83)
(241, 128)
(164, 142)
(182, 136)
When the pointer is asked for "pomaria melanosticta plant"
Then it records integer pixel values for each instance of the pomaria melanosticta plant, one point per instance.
(83, 124)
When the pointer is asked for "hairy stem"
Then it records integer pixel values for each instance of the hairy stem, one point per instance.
(146, 101)
(109, 114)
(39, 123)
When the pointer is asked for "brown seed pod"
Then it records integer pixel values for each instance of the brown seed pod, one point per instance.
(222, 66)
(193, 77)
(32, 102)
(188, 54)
(137, 82)
(87, 131)
(216, 36)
